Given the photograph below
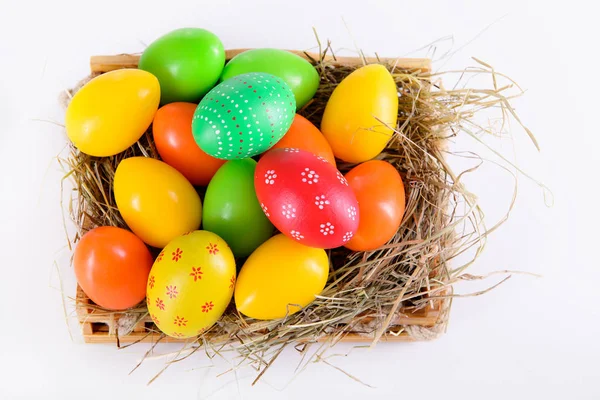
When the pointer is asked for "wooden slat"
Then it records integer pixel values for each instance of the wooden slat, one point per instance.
(96, 325)
(102, 337)
(101, 64)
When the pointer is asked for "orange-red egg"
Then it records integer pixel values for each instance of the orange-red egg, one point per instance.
(112, 266)
(172, 131)
(381, 201)
(304, 135)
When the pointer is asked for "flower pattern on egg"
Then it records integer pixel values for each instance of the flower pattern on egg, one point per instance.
(172, 291)
(341, 178)
(196, 273)
(177, 254)
(352, 213)
(321, 201)
(207, 306)
(309, 176)
(265, 209)
(288, 211)
(270, 177)
(296, 235)
(347, 236)
(180, 321)
(212, 248)
(327, 229)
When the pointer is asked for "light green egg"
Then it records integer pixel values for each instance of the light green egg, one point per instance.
(187, 63)
(298, 73)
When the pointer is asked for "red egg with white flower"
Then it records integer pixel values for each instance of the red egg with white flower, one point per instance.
(306, 198)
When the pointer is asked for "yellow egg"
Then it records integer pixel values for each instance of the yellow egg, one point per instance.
(279, 278)
(190, 284)
(156, 201)
(112, 111)
(355, 118)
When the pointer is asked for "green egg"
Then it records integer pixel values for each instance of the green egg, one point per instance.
(231, 209)
(297, 72)
(187, 63)
(243, 116)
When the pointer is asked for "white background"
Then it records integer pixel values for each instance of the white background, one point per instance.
(530, 338)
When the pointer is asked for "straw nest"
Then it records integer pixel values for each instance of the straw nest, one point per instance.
(366, 290)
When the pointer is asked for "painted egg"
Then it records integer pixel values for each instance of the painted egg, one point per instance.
(191, 284)
(306, 198)
(243, 116)
(187, 62)
(112, 265)
(155, 200)
(172, 132)
(297, 72)
(280, 278)
(231, 209)
(112, 111)
(304, 135)
(361, 113)
(381, 201)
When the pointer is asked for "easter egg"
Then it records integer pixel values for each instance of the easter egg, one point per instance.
(155, 200)
(381, 200)
(243, 116)
(361, 113)
(191, 284)
(280, 278)
(112, 111)
(306, 198)
(187, 63)
(112, 266)
(304, 135)
(297, 72)
(231, 209)
(172, 131)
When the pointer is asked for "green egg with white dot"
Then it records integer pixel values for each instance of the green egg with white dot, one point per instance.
(244, 116)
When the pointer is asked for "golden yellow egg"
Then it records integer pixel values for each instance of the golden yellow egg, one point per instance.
(361, 114)
(112, 111)
(280, 278)
(156, 201)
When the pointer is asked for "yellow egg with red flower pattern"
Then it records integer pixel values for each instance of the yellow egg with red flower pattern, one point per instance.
(191, 284)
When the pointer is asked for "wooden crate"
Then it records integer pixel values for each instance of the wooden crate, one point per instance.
(102, 327)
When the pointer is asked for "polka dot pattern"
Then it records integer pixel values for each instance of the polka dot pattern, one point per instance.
(243, 116)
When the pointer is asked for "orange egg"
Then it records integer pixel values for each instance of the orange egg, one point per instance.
(381, 201)
(304, 135)
(112, 266)
(172, 130)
